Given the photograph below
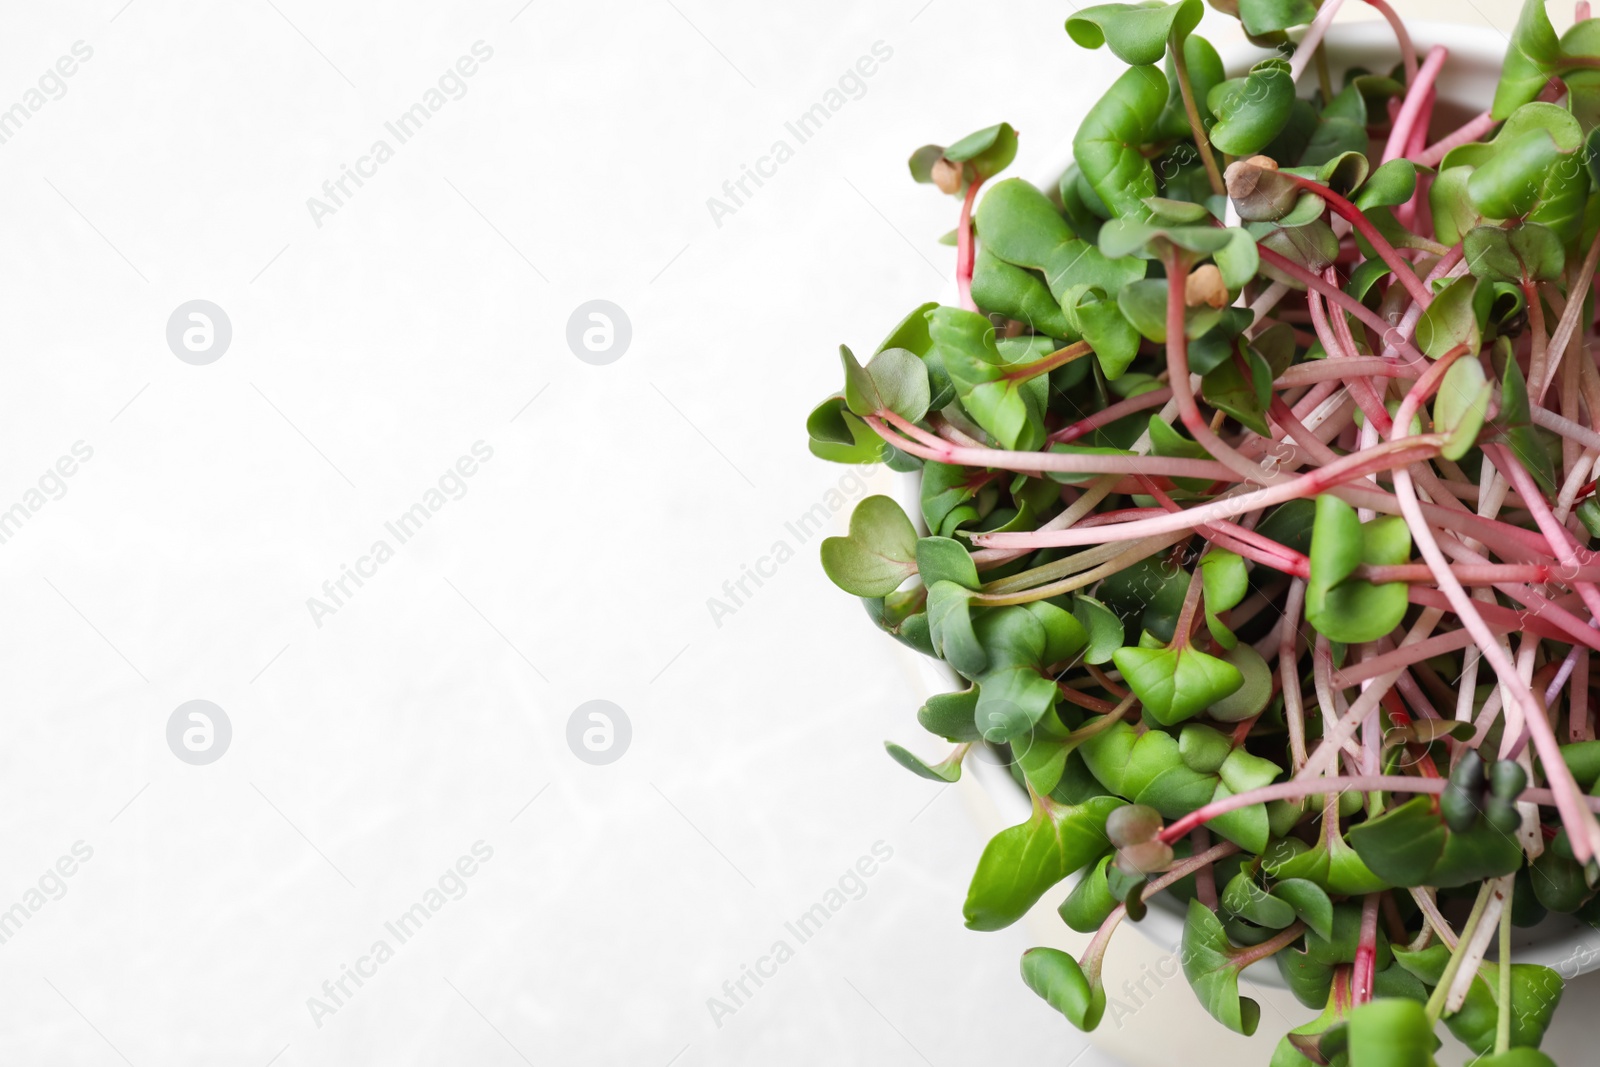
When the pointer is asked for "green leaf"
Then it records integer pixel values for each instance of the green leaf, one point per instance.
(941, 559)
(1090, 901)
(1451, 320)
(1057, 978)
(1242, 897)
(1313, 246)
(1410, 845)
(945, 487)
(1208, 963)
(1523, 437)
(1224, 581)
(1535, 993)
(1175, 684)
(1021, 863)
(1203, 749)
(893, 380)
(839, 437)
(1104, 629)
(1252, 110)
(1021, 643)
(1136, 33)
(1218, 344)
(1530, 60)
(950, 627)
(1239, 260)
(878, 553)
(1526, 253)
(1266, 16)
(951, 716)
(1310, 903)
(1332, 139)
(988, 152)
(1109, 333)
(1253, 694)
(1019, 224)
(911, 333)
(1004, 406)
(1461, 406)
(1107, 144)
(1393, 1032)
(948, 770)
(1390, 185)
(1002, 288)
(1127, 236)
(1245, 396)
(1348, 609)
(1402, 845)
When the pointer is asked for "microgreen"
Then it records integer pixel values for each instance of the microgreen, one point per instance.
(1257, 472)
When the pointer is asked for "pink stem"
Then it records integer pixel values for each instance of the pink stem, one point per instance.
(1342, 298)
(1366, 967)
(1303, 787)
(1106, 416)
(1348, 468)
(1412, 107)
(1313, 39)
(965, 254)
(1380, 244)
(945, 452)
(1473, 129)
(1408, 51)
(1582, 827)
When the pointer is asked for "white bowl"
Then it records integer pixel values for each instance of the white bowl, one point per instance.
(1143, 970)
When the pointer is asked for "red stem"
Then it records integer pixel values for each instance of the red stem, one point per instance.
(965, 252)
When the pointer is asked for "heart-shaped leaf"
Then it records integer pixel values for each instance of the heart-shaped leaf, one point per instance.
(1175, 684)
(879, 552)
(1521, 255)
(1348, 609)
(894, 380)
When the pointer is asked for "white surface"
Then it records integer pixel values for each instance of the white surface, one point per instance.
(370, 353)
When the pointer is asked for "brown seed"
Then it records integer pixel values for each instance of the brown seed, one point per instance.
(1205, 286)
(947, 176)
